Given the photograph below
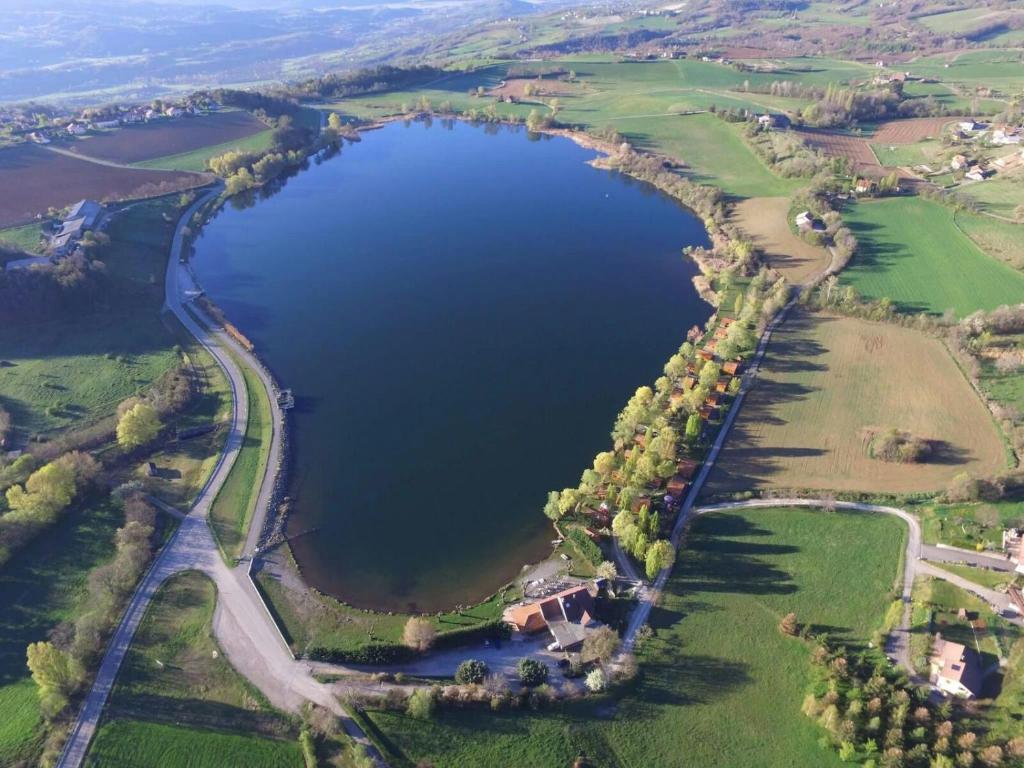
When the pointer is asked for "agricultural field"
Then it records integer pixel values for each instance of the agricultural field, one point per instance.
(853, 148)
(912, 253)
(827, 384)
(909, 131)
(154, 745)
(925, 152)
(32, 180)
(73, 372)
(167, 137)
(1002, 239)
(765, 220)
(719, 684)
(196, 159)
(41, 587)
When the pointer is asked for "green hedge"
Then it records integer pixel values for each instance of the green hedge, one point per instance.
(587, 548)
(373, 653)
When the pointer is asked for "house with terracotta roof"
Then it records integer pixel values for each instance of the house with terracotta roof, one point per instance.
(955, 669)
(731, 367)
(568, 615)
(687, 468)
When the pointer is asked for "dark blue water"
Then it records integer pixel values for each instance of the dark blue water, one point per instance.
(461, 312)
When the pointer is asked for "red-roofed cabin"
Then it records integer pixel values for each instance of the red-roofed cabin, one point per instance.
(676, 486)
(707, 413)
(721, 331)
(690, 382)
(727, 321)
(722, 385)
(641, 501)
(714, 399)
(703, 354)
(711, 346)
(731, 367)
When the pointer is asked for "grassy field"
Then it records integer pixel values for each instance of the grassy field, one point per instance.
(923, 152)
(233, 508)
(195, 160)
(26, 237)
(719, 685)
(1002, 239)
(1000, 195)
(131, 744)
(75, 371)
(41, 587)
(827, 380)
(911, 252)
(176, 673)
(765, 220)
(982, 576)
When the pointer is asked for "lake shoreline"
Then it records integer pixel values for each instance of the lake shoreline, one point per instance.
(279, 515)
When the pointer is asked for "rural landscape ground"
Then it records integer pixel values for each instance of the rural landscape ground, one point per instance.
(788, 526)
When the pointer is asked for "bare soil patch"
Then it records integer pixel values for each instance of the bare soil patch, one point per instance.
(909, 131)
(854, 149)
(830, 382)
(146, 141)
(33, 179)
(516, 86)
(765, 220)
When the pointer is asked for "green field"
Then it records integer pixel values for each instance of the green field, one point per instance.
(131, 744)
(911, 252)
(1002, 239)
(233, 508)
(719, 685)
(982, 576)
(1000, 195)
(196, 159)
(176, 673)
(75, 370)
(923, 152)
(25, 237)
(40, 587)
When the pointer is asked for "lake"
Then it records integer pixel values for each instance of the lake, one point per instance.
(461, 311)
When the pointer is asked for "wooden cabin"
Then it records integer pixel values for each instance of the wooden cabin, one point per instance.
(722, 385)
(687, 468)
(731, 367)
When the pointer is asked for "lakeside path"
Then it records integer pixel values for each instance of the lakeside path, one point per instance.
(242, 623)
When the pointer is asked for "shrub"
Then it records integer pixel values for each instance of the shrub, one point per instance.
(471, 671)
(422, 704)
(532, 672)
(373, 653)
(419, 634)
(596, 681)
(587, 548)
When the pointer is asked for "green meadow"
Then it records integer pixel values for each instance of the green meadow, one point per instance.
(197, 158)
(911, 252)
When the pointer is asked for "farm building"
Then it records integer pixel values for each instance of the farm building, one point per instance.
(954, 669)
(81, 217)
(568, 615)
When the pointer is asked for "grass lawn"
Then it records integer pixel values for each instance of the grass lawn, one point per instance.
(41, 587)
(196, 159)
(176, 673)
(75, 370)
(1002, 239)
(827, 384)
(133, 744)
(26, 237)
(719, 685)
(232, 509)
(983, 576)
(893, 155)
(911, 252)
(1000, 195)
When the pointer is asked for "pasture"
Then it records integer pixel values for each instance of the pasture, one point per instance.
(133, 744)
(1002, 239)
(910, 251)
(719, 685)
(1000, 195)
(32, 180)
(42, 586)
(924, 152)
(167, 137)
(765, 220)
(827, 382)
(74, 371)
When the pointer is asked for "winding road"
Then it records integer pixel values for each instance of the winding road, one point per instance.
(242, 625)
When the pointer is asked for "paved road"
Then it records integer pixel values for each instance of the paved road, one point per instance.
(242, 625)
(977, 559)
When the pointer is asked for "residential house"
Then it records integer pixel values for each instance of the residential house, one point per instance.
(687, 468)
(955, 670)
(676, 486)
(864, 186)
(722, 385)
(707, 413)
(89, 210)
(77, 129)
(731, 367)
(1004, 136)
(568, 615)
(969, 126)
(807, 221)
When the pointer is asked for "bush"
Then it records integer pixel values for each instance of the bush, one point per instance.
(587, 548)
(373, 653)
(422, 704)
(532, 672)
(471, 671)
(470, 635)
(596, 681)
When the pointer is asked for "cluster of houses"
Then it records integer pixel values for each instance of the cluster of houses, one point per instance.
(82, 217)
(114, 116)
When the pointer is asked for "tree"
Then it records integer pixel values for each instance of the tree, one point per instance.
(138, 426)
(551, 510)
(56, 674)
(532, 672)
(675, 368)
(471, 671)
(421, 704)
(596, 681)
(607, 570)
(419, 634)
(660, 555)
(601, 644)
(640, 544)
(604, 464)
(693, 427)
(788, 625)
